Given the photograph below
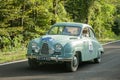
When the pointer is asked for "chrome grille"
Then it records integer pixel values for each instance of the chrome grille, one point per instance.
(45, 49)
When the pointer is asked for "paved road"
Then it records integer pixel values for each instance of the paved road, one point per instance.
(109, 69)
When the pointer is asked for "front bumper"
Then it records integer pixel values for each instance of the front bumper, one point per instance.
(48, 58)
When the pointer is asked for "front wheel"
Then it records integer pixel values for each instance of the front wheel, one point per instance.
(73, 65)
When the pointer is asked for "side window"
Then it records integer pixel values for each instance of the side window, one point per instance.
(92, 34)
(85, 32)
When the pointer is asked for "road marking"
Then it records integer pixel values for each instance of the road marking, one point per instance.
(26, 59)
(12, 62)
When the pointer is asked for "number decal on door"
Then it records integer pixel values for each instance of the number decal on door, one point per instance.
(90, 46)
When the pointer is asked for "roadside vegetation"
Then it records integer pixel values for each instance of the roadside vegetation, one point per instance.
(9, 56)
(23, 20)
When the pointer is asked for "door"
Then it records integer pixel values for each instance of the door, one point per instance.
(88, 45)
(94, 43)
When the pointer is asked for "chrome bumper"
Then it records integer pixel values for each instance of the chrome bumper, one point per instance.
(56, 58)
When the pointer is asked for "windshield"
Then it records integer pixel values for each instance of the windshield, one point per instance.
(64, 30)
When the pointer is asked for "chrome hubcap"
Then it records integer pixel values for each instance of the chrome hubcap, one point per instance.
(75, 61)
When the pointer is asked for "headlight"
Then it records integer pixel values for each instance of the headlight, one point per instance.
(58, 47)
(35, 48)
(34, 45)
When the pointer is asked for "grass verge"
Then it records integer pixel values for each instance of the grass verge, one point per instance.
(12, 56)
(106, 40)
(103, 41)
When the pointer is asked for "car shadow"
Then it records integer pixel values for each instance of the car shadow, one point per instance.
(22, 69)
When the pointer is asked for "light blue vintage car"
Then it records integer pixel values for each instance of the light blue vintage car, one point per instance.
(66, 42)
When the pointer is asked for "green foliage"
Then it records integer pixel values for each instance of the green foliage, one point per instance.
(101, 18)
(79, 9)
(116, 27)
(23, 20)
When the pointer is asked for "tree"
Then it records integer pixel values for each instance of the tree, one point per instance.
(79, 9)
(116, 27)
(101, 18)
(27, 19)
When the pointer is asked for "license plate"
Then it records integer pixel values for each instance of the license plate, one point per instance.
(43, 58)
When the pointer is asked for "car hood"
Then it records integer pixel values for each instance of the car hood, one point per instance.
(62, 39)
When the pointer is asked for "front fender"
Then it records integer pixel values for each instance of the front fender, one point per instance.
(70, 49)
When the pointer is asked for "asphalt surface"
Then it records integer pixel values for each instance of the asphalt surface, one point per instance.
(108, 69)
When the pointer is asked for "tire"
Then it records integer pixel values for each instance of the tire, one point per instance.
(98, 59)
(73, 65)
(33, 64)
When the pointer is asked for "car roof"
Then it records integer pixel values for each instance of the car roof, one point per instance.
(71, 24)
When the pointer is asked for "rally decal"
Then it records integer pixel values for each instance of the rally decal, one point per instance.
(47, 39)
(90, 46)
